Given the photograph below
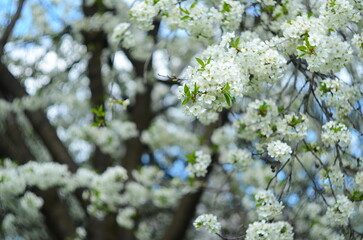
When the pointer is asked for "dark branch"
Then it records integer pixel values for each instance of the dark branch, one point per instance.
(11, 89)
(9, 29)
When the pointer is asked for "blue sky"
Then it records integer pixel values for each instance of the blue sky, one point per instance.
(53, 13)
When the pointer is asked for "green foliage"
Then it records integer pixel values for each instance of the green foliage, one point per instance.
(191, 158)
(295, 121)
(190, 95)
(226, 7)
(356, 196)
(100, 116)
(324, 88)
(234, 43)
(193, 5)
(307, 48)
(202, 63)
(262, 110)
(336, 129)
(229, 98)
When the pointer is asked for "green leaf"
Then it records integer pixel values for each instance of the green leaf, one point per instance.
(226, 7)
(226, 88)
(262, 110)
(295, 121)
(285, 11)
(337, 129)
(186, 91)
(228, 99)
(200, 61)
(302, 48)
(277, 16)
(184, 10)
(324, 88)
(194, 4)
(237, 41)
(99, 112)
(310, 14)
(281, 109)
(191, 158)
(269, 9)
(196, 89)
(186, 100)
(184, 18)
(208, 60)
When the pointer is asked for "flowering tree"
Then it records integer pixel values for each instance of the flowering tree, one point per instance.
(137, 120)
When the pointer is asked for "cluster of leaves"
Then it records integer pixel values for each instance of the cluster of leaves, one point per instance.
(307, 48)
(99, 117)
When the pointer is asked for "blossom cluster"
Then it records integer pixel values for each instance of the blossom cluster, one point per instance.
(162, 134)
(198, 20)
(209, 222)
(198, 163)
(260, 118)
(125, 217)
(108, 138)
(357, 42)
(263, 118)
(223, 136)
(225, 72)
(335, 14)
(293, 127)
(274, 13)
(279, 150)
(103, 189)
(143, 12)
(202, 22)
(338, 95)
(213, 84)
(269, 231)
(335, 133)
(237, 157)
(314, 38)
(339, 213)
(267, 205)
(14, 180)
(231, 11)
(332, 177)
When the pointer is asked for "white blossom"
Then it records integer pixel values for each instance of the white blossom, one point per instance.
(269, 231)
(279, 150)
(143, 13)
(339, 213)
(208, 222)
(237, 157)
(338, 95)
(336, 14)
(125, 217)
(335, 133)
(199, 163)
(267, 206)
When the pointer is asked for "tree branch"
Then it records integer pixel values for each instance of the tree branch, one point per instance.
(9, 29)
(11, 88)
(57, 219)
